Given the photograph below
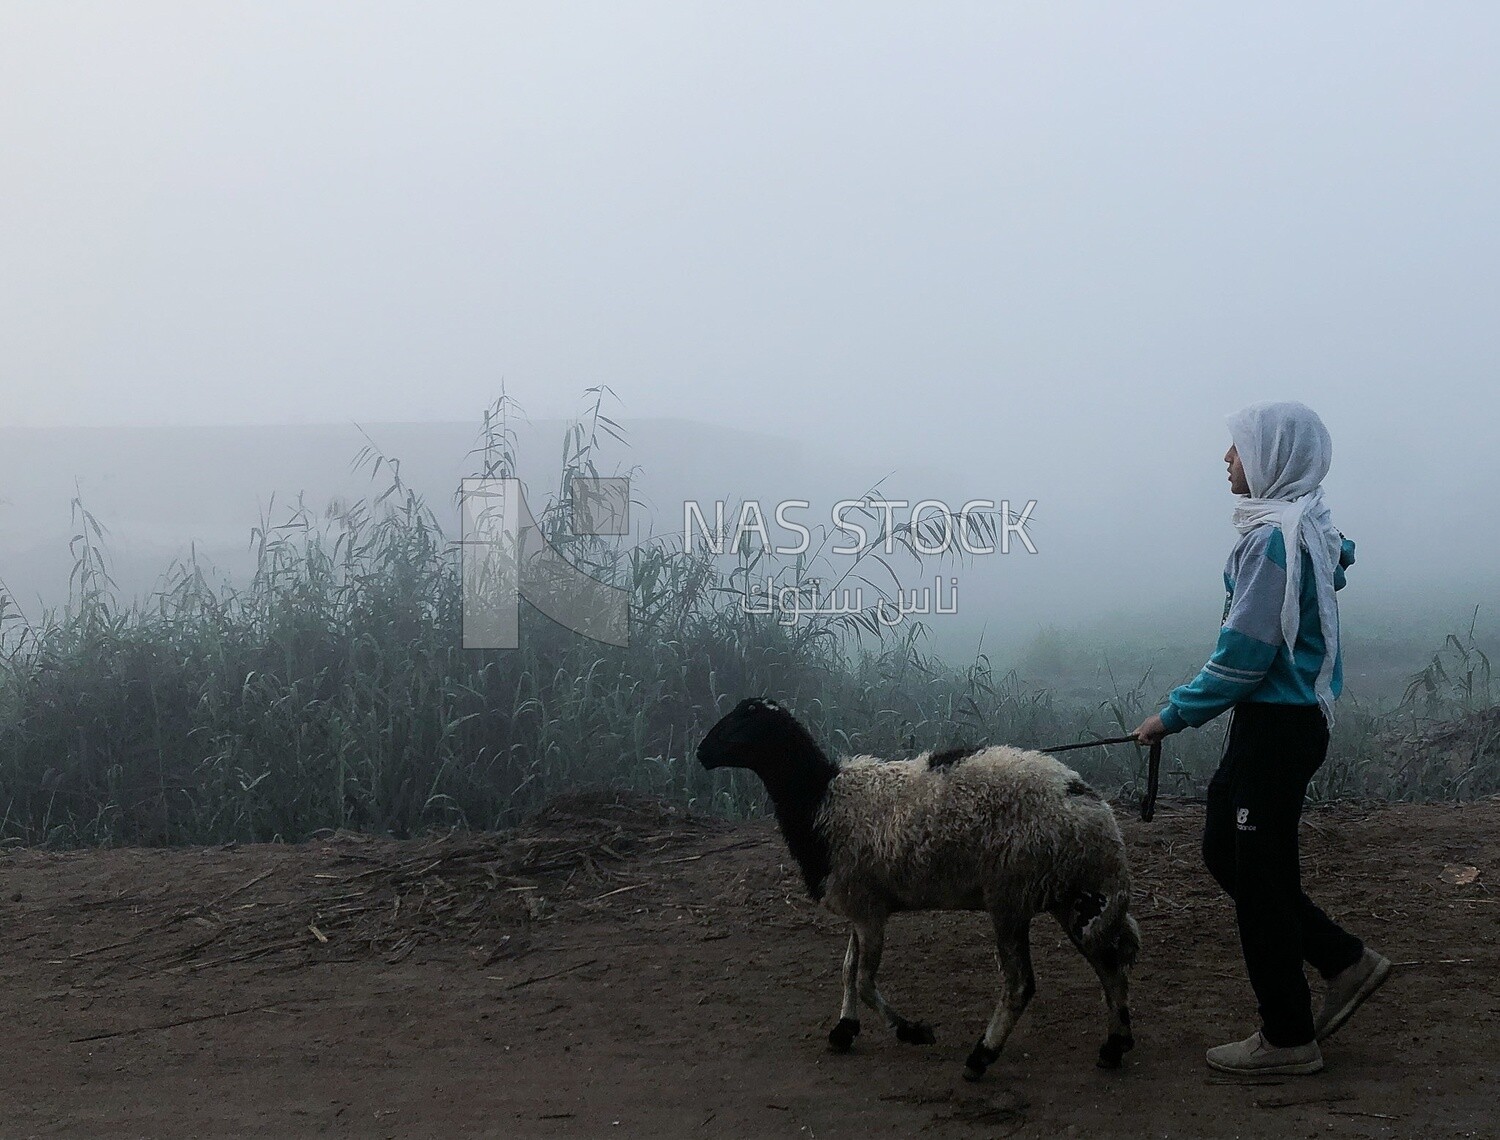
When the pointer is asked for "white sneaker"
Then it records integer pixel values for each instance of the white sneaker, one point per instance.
(1255, 1056)
(1347, 989)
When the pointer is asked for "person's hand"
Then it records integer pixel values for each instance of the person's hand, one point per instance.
(1150, 730)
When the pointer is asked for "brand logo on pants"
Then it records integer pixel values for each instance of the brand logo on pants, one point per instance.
(1242, 820)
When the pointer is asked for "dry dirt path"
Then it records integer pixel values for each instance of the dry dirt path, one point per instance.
(624, 971)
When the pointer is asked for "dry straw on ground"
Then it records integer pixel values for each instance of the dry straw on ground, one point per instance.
(385, 899)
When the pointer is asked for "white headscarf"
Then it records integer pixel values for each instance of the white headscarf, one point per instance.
(1286, 451)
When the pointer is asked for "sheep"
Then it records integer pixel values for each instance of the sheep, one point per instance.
(998, 829)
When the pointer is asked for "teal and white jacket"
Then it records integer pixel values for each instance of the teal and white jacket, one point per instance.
(1252, 661)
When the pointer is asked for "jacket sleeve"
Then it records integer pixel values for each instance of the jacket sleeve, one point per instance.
(1248, 641)
(1346, 560)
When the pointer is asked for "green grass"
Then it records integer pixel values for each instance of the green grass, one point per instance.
(330, 690)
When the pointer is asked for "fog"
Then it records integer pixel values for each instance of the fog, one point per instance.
(1018, 251)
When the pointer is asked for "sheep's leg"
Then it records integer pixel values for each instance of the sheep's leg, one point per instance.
(842, 1036)
(1017, 984)
(1114, 977)
(1110, 957)
(871, 944)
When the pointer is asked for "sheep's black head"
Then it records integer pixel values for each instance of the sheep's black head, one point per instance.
(764, 737)
(757, 734)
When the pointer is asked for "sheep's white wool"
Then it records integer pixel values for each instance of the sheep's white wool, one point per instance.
(1000, 829)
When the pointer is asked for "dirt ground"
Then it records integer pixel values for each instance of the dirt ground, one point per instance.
(628, 971)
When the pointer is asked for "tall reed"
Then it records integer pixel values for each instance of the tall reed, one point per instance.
(330, 689)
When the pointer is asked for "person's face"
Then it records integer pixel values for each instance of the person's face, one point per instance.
(1238, 484)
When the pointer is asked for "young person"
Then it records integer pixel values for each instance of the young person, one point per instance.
(1279, 667)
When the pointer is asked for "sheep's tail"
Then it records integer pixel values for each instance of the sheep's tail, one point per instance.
(1098, 920)
(1117, 934)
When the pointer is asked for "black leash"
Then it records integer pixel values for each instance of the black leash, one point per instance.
(1153, 767)
(1091, 743)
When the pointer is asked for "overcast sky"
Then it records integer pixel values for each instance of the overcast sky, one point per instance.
(1051, 244)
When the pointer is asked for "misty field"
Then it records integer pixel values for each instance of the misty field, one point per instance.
(439, 891)
(329, 692)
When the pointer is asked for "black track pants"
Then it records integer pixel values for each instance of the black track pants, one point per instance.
(1250, 847)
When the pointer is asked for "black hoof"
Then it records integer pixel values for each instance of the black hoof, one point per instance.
(979, 1060)
(1111, 1052)
(841, 1036)
(915, 1033)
